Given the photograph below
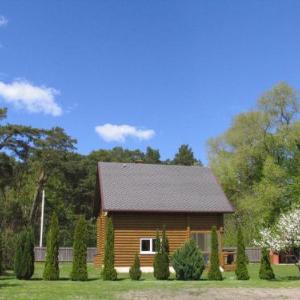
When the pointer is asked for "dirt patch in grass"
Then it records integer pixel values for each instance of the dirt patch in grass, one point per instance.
(214, 294)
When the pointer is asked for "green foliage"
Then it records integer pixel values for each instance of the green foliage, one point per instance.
(135, 272)
(164, 242)
(188, 261)
(185, 156)
(9, 245)
(257, 162)
(241, 271)
(161, 259)
(265, 270)
(152, 156)
(79, 267)
(24, 260)
(214, 272)
(1, 255)
(51, 271)
(109, 272)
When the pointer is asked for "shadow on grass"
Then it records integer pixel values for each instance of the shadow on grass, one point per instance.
(286, 278)
(8, 285)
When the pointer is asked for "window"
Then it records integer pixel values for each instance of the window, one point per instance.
(202, 240)
(147, 246)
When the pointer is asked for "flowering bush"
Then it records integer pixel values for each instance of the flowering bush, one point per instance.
(284, 235)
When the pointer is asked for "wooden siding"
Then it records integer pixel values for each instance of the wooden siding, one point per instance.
(101, 221)
(131, 227)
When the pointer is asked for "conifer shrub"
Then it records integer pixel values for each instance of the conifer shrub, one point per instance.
(79, 267)
(188, 261)
(135, 272)
(161, 259)
(51, 270)
(265, 270)
(241, 271)
(109, 272)
(24, 259)
(214, 272)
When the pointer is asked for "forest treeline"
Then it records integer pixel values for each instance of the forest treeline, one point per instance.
(257, 162)
(33, 159)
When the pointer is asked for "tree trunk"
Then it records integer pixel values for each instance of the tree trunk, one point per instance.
(37, 196)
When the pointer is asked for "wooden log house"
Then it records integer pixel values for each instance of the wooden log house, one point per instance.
(143, 198)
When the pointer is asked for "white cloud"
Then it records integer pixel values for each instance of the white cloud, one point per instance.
(118, 133)
(36, 99)
(3, 21)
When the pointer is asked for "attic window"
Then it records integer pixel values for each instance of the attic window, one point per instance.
(147, 246)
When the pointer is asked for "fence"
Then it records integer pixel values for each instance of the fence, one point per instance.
(253, 253)
(65, 254)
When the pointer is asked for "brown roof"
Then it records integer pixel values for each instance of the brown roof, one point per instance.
(165, 188)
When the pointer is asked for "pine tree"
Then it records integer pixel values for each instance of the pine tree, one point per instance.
(79, 268)
(1, 255)
(241, 271)
(265, 270)
(51, 271)
(24, 259)
(214, 272)
(161, 259)
(109, 272)
(135, 272)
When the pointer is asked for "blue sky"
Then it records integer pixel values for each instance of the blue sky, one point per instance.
(172, 72)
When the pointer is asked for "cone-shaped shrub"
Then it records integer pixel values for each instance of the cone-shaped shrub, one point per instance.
(241, 271)
(24, 259)
(265, 270)
(157, 242)
(161, 259)
(109, 272)
(1, 255)
(51, 271)
(164, 242)
(188, 261)
(79, 267)
(135, 272)
(214, 272)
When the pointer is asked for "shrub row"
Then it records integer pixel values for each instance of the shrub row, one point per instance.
(24, 258)
(187, 261)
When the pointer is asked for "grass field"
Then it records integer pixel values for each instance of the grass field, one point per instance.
(95, 288)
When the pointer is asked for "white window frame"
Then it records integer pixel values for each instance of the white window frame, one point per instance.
(151, 245)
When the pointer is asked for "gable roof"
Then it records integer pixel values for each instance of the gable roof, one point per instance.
(160, 188)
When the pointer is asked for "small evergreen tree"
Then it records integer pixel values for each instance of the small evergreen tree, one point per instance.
(79, 267)
(165, 242)
(109, 272)
(265, 270)
(51, 271)
(241, 271)
(157, 242)
(214, 272)
(24, 260)
(1, 255)
(188, 261)
(161, 259)
(135, 272)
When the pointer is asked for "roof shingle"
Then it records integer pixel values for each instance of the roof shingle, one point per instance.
(165, 188)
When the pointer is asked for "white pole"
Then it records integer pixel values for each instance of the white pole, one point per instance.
(42, 219)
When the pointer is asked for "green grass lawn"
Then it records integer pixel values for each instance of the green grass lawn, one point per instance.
(95, 288)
